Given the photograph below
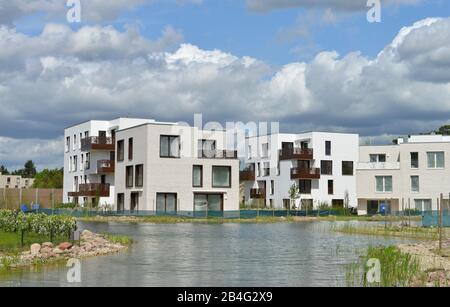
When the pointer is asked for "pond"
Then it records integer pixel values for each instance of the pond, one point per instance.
(228, 255)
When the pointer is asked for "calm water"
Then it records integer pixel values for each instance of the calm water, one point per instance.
(302, 254)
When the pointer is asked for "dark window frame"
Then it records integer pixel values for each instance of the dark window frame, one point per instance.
(330, 187)
(201, 176)
(120, 196)
(323, 169)
(139, 180)
(328, 148)
(120, 150)
(344, 168)
(415, 160)
(170, 156)
(305, 186)
(129, 176)
(130, 149)
(231, 175)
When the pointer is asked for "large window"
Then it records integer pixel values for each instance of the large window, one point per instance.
(415, 187)
(120, 150)
(130, 149)
(120, 202)
(377, 158)
(347, 168)
(423, 205)
(326, 167)
(384, 184)
(166, 203)
(208, 202)
(197, 176)
(129, 176)
(328, 148)
(170, 147)
(436, 160)
(305, 186)
(415, 160)
(139, 176)
(221, 177)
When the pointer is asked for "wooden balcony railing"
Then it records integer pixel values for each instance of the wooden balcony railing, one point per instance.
(297, 154)
(92, 190)
(98, 143)
(218, 154)
(247, 175)
(257, 193)
(305, 173)
(105, 167)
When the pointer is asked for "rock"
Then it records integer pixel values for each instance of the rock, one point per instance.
(47, 245)
(65, 246)
(87, 233)
(35, 249)
(57, 251)
(87, 247)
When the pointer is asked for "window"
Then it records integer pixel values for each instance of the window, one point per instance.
(305, 186)
(120, 151)
(328, 148)
(221, 177)
(330, 187)
(166, 203)
(326, 167)
(88, 161)
(266, 171)
(129, 176)
(377, 158)
(130, 149)
(75, 163)
(82, 165)
(139, 176)
(415, 160)
(272, 187)
(207, 149)
(208, 202)
(436, 160)
(170, 147)
(347, 168)
(197, 176)
(70, 164)
(423, 205)
(265, 150)
(384, 184)
(249, 156)
(415, 184)
(120, 202)
(68, 144)
(74, 142)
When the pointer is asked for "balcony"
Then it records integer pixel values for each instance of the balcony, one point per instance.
(218, 154)
(98, 143)
(305, 173)
(105, 167)
(247, 175)
(258, 193)
(91, 190)
(296, 154)
(379, 166)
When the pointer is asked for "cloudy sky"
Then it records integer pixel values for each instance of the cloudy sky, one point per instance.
(310, 64)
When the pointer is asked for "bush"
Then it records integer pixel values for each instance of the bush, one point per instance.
(14, 221)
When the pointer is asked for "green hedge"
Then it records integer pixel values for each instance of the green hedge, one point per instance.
(16, 221)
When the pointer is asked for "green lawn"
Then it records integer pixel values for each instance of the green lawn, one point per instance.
(11, 242)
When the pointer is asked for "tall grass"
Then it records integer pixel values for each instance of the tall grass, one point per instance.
(397, 269)
(392, 231)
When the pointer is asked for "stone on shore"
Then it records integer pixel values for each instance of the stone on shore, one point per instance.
(65, 246)
(35, 249)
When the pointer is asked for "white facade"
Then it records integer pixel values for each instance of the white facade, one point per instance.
(82, 172)
(15, 182)
(99, 155)
(410, 175)
(313, 160)
(167, 182)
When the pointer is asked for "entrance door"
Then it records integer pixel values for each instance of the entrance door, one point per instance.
(166, 203)
(134, 202)
(208, 202)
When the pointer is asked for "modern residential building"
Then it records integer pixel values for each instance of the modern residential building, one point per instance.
(409, 175)
(321, 164)
(144, 165)
(89, 160)
(15, 182)
(167, 168)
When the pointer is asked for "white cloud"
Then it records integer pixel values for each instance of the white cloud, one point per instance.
(61, 77)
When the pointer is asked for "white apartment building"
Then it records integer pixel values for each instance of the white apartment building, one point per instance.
(169, 168)
(89, 160)
(137, 165)
(410, 175)
(15, 182)
(321, 164)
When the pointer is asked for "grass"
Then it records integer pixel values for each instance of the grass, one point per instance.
(397, 269)
(118, 239)
(10, 243)
(375, 218)
(392, 231)
(177, 219)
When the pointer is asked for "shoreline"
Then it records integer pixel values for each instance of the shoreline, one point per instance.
(91, 245)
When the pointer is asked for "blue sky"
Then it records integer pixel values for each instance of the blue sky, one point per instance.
(310, 65)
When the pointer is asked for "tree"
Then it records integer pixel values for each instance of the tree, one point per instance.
(49, 179)
(28, 171)
(443, 130)
(4, 170)
(294, 194)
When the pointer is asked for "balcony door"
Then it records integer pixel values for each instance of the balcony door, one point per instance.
(287, 147)
(304, 164)
(134, 202)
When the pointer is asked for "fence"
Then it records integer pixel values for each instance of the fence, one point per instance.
(46, 198)
(432, 219)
